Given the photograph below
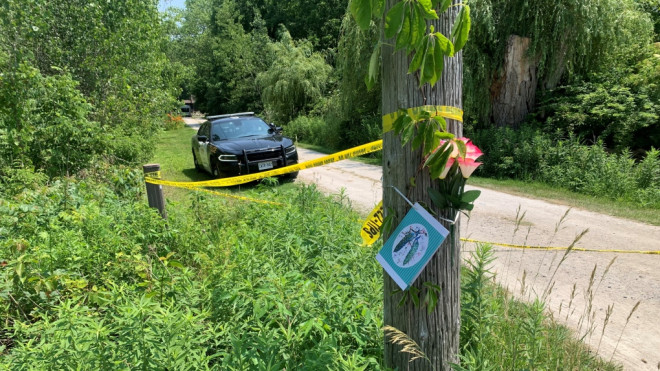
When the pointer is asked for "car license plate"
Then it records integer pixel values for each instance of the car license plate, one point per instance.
(265, 165)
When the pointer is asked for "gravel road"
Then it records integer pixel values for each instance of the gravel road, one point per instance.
(631, 277)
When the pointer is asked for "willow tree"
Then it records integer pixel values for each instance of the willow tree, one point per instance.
(421, 67)
(521, 47)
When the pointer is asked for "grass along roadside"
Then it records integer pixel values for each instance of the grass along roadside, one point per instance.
(560, 196)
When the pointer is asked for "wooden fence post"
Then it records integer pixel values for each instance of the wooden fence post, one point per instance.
(155, 191)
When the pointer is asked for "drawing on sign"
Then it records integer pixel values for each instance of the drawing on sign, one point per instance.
(410, 245)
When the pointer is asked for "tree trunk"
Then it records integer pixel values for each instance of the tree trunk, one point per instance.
(515, 91)
(436, 333)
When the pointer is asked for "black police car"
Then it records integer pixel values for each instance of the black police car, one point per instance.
(239, 144)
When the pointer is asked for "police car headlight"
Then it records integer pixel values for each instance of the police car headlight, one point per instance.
(227, 158)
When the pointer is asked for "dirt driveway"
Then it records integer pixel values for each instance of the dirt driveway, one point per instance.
(631, 278)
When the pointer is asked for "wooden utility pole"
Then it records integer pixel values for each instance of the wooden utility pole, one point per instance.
(436, 333)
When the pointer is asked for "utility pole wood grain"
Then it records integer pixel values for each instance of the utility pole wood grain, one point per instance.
(436, 333)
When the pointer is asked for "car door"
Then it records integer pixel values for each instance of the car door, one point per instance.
(203, 158)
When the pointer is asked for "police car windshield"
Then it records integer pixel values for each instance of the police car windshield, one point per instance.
(239, 128)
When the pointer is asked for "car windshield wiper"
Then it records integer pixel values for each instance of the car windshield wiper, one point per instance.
(251, 135)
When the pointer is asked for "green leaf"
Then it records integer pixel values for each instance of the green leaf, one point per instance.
(361, 11)
(377, 8)
(438, 166)
(428, 68)
(470, 196)
(416, 62)
(399, 123)
(19, 269)
(403, 38)
(445, 45)
(427, 8)
(418, 27)
(408, 132)
(466, 206)
(439, 63)
(437, 198)
(432, 300)
(374, 64)
(462, 149)
(443, 126)
(394, 20)
(443, 135)
(461, 29)
(418, 138)
(429, 138)
(444, 5)
(414, 295)
(434, 156)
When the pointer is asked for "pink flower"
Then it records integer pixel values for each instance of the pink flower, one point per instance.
(448, 166)
(467, 165)
(472, 152)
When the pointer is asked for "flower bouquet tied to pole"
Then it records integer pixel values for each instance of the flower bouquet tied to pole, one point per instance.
(460, 161)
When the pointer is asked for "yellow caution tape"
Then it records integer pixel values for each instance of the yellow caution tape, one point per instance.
(443, 111)
(241, 179)
(371, 227)
(152, 174)
(648, 252)
(371, 231)
(238, 197)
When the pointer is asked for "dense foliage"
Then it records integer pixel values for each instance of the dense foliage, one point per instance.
(294, 82)
(620, 108)
(569, 40)
(530, 154)
(92, 278)
(317, 21)
(79, 79)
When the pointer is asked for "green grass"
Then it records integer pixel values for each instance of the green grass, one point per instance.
(560, 196)
(174, 154)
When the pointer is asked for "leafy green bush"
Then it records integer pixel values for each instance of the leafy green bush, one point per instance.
(314, 130)
(367, 129)
(79, 79)
(530, 154)
(44, 124)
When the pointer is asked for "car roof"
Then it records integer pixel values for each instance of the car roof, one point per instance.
(229, 115)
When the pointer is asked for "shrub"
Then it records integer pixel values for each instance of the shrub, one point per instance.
(44, 124)
(529, 154)
(314, 130)
(174, 122)
(367, 129)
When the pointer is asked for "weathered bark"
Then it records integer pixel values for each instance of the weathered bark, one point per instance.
(437, 333)
(514, 92)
